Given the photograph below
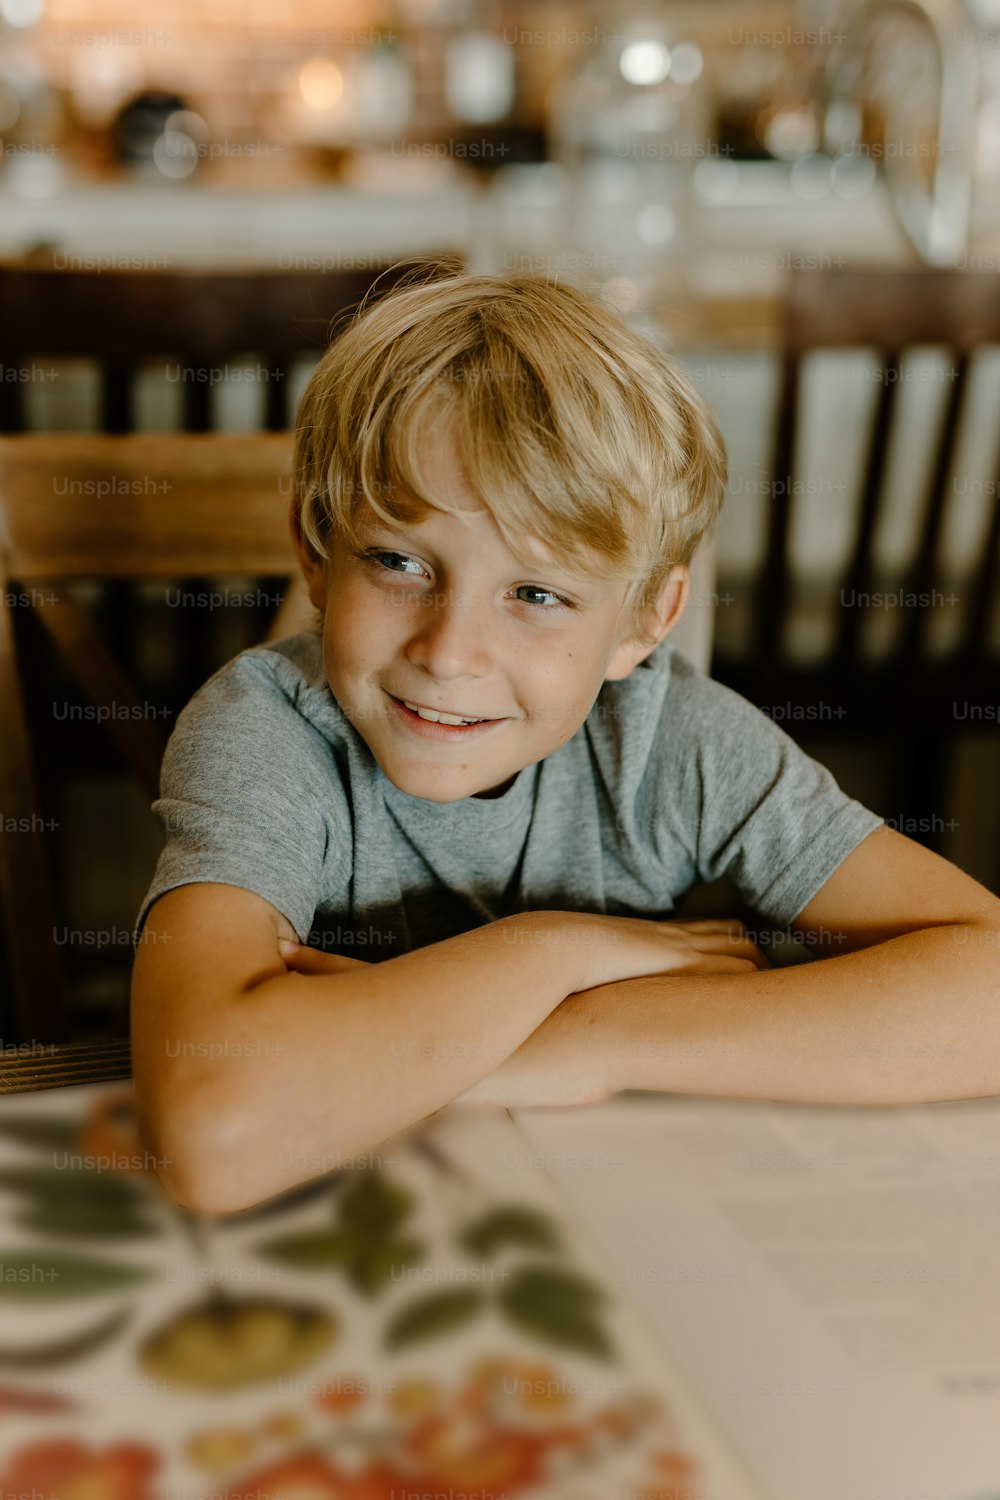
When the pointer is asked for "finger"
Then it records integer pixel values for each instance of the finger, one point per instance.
(738, 947)
(714, 924)
(718, 963)
(309, 960)
(716, 942)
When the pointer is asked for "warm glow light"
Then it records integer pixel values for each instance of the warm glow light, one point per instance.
(101, 79)
(791, 133)
(644, 62)
(321, 83)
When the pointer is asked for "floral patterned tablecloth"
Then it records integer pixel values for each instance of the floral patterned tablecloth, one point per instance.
(427, 1321)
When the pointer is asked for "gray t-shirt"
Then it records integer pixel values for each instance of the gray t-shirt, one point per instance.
(672, 779)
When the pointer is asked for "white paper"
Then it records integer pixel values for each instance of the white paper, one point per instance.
(828, 1278)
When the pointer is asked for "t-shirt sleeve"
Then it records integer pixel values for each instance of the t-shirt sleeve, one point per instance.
(758, 809)
(245, 788)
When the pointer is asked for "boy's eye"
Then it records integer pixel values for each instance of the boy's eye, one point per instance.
(561, 603)
(537, 589)
(377, 556)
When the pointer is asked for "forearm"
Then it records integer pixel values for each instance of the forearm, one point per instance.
(317, 1069)
(911, 1020)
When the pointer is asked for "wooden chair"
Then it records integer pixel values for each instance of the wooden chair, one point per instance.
(202, 320)
(216, 507)
(908, 694)
(65, 1065)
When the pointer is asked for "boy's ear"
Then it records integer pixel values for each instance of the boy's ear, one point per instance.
(313, 568)
(658, 622)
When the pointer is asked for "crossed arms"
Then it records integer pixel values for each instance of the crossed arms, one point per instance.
(251, 1066)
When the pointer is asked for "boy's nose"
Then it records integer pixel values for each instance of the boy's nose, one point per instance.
(454, 636)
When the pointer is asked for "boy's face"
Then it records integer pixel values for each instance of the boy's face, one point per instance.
(447, 618)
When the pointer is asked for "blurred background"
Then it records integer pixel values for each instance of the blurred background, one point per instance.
(801, 200)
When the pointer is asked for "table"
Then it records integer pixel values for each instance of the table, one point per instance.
(802, 1300)
(430, 1319)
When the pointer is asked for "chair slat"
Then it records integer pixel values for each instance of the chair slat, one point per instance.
(277, 415)
(772, 599)
(198, 399)
(146, 505)
(201, 316)
(67, 1065)
(924, 570)
(984, 586)
(13, 417)
(117, 409)
(858, 573)
(837, 308)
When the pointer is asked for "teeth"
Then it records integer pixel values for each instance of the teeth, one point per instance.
(436, 718)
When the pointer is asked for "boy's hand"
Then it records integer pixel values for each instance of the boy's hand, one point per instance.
(568, 1059)
(615, 948)
(531, 1076)
(621, 948)
(305, 960)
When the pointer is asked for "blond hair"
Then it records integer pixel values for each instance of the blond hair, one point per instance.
(575, 429)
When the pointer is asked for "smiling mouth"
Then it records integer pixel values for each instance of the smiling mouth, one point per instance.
(442, 716)
(437, 729)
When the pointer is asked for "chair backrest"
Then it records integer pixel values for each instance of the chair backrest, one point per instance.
(93, 507)
(194, 324)
(892, 311)
(203, 319)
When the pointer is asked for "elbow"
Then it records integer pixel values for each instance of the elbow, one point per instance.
(193, 1146)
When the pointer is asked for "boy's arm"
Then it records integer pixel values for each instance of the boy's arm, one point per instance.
(905, 1010)
(250, 1079)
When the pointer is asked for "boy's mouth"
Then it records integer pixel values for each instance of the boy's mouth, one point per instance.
(437, 728)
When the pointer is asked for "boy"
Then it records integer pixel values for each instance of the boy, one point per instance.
(499, 486)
